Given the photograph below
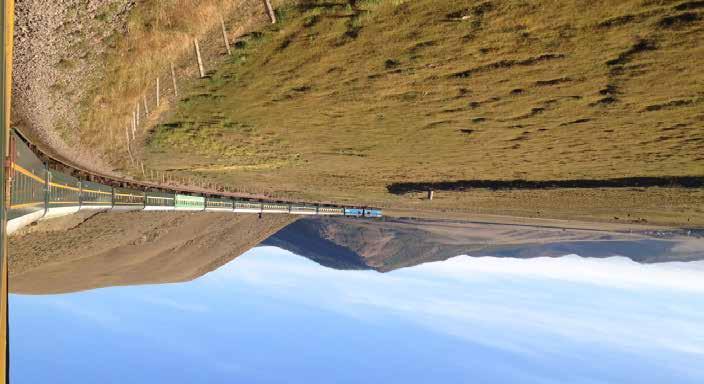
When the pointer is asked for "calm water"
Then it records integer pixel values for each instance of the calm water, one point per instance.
(273, 317)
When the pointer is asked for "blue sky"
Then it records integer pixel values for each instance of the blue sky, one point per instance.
(273, 317)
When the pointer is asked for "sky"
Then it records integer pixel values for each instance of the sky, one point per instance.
(273, 317)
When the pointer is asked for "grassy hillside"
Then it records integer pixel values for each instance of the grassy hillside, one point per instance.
(151, 36)
(340, 101)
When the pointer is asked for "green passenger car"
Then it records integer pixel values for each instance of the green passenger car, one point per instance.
(190, 203)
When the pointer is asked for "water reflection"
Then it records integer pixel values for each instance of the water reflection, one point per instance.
(181, 253)
(271, 316)
(344, 243)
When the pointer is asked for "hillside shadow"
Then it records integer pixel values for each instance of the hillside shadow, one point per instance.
(625, 182)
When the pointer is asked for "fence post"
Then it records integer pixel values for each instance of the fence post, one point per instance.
(200, 59)
(270, 11)
(134, 124)
(224, 35)
(129, 150)
(173, 78)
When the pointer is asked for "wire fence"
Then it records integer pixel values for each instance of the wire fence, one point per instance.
(167, 87)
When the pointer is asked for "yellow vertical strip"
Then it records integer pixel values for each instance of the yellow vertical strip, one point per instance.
(8, 9)
(9, 50)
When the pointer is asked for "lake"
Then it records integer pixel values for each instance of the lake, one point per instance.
(271, 316)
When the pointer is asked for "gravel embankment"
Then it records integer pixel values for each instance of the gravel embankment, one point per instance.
(57, 46)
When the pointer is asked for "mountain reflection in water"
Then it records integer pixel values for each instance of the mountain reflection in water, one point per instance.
(270, 316)
(344, 243)
(339, 243)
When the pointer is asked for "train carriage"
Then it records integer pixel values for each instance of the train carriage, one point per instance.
(331, 211)
(126, 199)
(304, 209)
(190, 203)
(374, 213)
(219, 204)
(243, 206)
(275, 207)
(355, 212)
(160, 201)
(64, 194)
(28, 199)
(95, 196)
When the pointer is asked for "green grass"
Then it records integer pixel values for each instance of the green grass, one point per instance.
(337, 103)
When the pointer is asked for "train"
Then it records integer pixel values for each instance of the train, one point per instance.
(40, 192)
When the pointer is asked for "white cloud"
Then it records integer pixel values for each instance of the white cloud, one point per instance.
(98, 316)
(507, 304)
(617, 272)
(178, 305)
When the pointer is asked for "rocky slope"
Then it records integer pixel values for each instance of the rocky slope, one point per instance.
(57, 49)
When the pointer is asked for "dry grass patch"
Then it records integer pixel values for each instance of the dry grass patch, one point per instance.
(158, 34)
